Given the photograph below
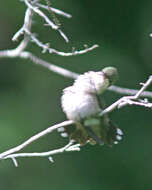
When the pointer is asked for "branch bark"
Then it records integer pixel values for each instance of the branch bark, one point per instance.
(70, 147)
(34, 138)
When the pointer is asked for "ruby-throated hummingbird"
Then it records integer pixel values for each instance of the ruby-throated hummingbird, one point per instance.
(80, 102)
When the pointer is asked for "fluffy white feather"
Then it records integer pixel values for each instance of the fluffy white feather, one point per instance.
(80, 101)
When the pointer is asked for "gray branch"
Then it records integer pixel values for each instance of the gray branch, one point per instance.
(64, 72)
(131, 100)
(57, 11)
(34, 138)
(70, 147)
(128, 91)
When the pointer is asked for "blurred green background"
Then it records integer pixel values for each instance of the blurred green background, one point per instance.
(30, 96)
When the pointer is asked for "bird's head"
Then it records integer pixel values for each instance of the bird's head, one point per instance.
(111, 73)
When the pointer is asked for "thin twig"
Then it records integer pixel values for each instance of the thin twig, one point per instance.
(144, 86)
(41, 14)
(47, 20)
(26, 26)
(14, 162)
(66, 73)
(75, 52)
(34, 138)
(127, 91)
(57, 11)
(61, 71)
(129, 100)
(68, 148)
(45, 47)
(18, 52)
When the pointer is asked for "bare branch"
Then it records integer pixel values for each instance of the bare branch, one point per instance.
(127, 91)
(75, 52)
(130, 100)
(18, 52)
(66, 73)
(34, 138)
(144, 86)
(45, 47)
(70, 147)
(41, 14)
(26, 26)
(57, 11)
(47, 20)
(14, 162)
(61, 71)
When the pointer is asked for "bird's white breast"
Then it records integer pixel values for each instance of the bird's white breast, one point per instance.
(78, 105)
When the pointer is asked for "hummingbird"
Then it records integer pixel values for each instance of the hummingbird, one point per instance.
(81, 103)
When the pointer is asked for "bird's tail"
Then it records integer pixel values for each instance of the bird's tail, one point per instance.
(114, 134)
(93, 131)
